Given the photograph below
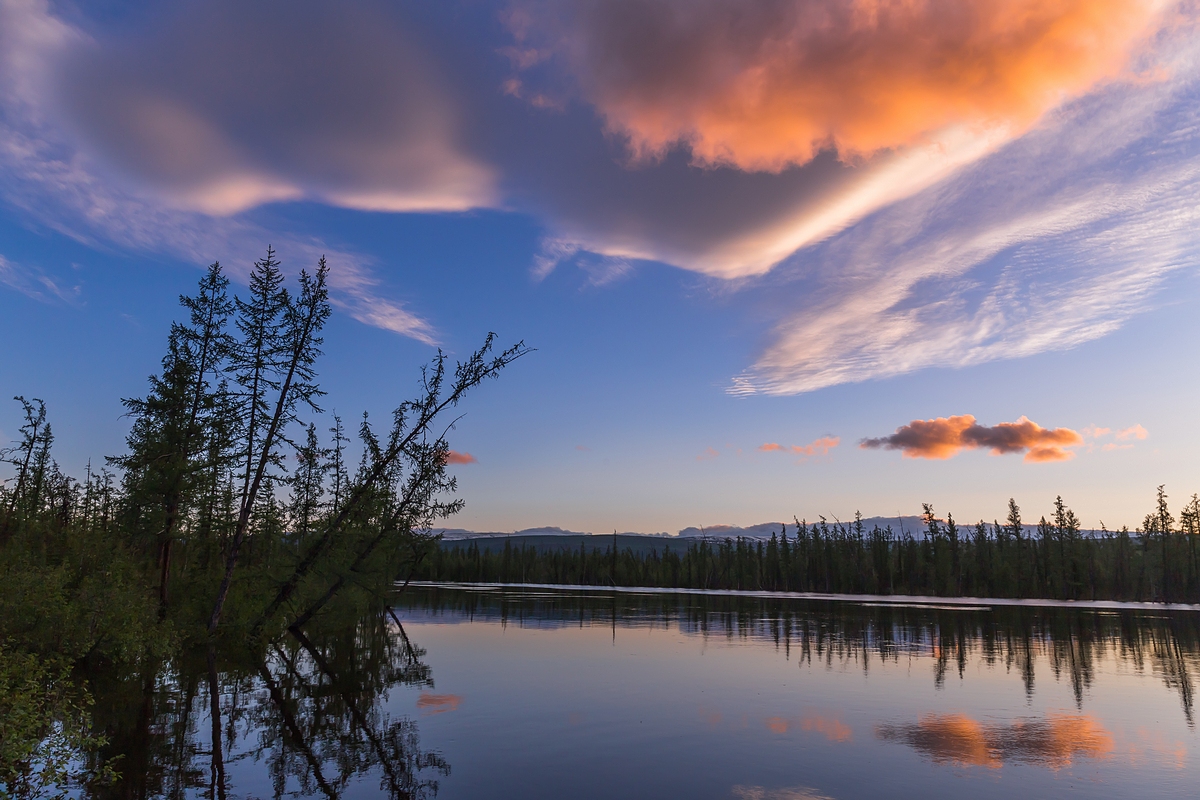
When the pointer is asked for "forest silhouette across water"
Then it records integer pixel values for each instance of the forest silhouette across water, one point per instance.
(1053, 559)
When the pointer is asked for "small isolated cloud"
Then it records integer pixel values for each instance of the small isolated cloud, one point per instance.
(945, 437)
(709, 453)
(1136, 432)
(817, 447)
(1123, 437)
(429, 704)
(582, 448)
(455, 457)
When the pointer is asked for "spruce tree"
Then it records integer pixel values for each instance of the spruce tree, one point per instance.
(276, 358)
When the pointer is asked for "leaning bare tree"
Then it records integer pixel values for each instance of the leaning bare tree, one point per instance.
(404, 481)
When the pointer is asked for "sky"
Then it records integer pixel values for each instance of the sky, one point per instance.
(777, 258)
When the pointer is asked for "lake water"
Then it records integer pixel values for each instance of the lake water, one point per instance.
(541, 693)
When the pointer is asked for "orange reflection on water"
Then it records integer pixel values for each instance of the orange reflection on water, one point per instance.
(778, 724)
(437, 703)
(830, 727)
(1053, 742)
(947, 739)
(1149, 747)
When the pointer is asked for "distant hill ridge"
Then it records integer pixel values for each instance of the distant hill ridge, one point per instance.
(912, 524)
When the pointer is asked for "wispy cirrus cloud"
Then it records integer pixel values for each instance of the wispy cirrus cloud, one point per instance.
(1054, 240)
(946, 437)
(34, 283)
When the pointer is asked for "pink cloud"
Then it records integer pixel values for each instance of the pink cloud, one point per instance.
(454, 457)
(709, 453)
(945, 437)
(817, 447)
(1136, 432)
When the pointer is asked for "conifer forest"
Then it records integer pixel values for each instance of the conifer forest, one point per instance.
(1054, 559)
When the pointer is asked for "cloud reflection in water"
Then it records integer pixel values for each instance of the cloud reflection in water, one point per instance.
(828, 726)
(763, 793)
(437, 703)
(957, 739)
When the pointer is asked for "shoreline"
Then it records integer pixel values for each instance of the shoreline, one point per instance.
(920, 601)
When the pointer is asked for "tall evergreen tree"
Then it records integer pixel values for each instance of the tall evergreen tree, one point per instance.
(30, 458)
(277, 357)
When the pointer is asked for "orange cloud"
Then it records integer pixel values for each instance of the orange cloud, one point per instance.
(437, 703)
(709, 452)
(817, 447)
(944, 437)
(765, 85)
(455, 457)
(1053, 742)
(1136, 432)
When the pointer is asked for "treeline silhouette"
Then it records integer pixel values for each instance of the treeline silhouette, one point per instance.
(1157, 562)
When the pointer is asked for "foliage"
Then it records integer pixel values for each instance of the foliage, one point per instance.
(46, 737)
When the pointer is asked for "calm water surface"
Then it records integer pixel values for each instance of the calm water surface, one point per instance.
(532, 693)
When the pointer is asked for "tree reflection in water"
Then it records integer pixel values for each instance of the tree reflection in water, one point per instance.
(306, 710)
(1071, 641)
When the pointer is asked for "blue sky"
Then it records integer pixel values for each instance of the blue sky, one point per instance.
(815, 227)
